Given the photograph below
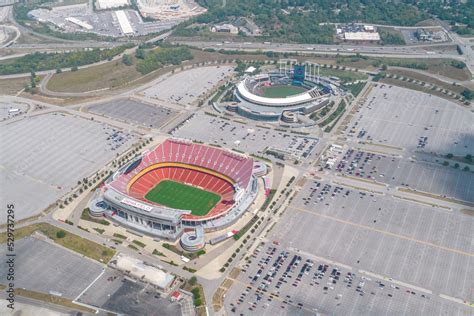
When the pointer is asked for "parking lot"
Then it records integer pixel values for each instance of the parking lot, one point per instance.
(187, 86)
(422, 176)
(44, 156)
(103, 22)
(409, 242)
(134, 112)
(134, 298)
(277, 280)
(9, 110)
(250, 139)
(413, 120)
(44, 267)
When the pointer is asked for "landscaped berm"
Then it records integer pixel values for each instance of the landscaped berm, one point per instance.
(184, 197)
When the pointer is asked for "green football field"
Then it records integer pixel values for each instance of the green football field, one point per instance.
(183, 197)
(281, 91)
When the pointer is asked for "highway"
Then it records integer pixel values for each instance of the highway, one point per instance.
(466, 46)
(412, 51)
(425, 51)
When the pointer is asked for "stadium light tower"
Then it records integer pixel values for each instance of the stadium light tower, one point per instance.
(313, 70)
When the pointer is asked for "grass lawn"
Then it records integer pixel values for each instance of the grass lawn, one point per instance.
(13, 85)
(344, 75)
(71, 241)
(281, 91)
(183, 197)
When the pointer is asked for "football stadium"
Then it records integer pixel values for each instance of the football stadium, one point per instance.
(178, 185)
(282, 94)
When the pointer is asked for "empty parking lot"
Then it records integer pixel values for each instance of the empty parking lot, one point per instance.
(44, 267)
(134, 112)
(187, 86)
(422, 176)
(44, 156)
(414, 120)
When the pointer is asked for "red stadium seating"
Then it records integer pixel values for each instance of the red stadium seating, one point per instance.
(232, 165)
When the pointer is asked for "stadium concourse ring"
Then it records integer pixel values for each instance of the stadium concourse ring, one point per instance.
(278, 96)
(176, 186)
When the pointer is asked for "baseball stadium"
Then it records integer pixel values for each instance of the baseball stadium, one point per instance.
(178, 185)
(282, 94)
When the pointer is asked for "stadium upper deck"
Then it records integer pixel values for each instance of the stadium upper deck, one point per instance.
(216, 170)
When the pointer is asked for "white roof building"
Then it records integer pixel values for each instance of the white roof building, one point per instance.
(125, 25)
(82, 24)
(250, 70)
(109, 4)
(148, 273)
(361, 36)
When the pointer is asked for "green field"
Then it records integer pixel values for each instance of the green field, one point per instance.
(183, 197)
(281, 91)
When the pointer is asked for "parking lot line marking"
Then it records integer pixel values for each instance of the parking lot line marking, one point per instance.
(426, 243)
(92, 283)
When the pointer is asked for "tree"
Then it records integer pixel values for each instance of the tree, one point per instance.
(449, 156)
(446, 163)
(467, 94)
(60, 234)
(468, 157)
(456, 166)
(127, 60)
(140, 53)
(33, 79)
(466, 168)
(193, 281)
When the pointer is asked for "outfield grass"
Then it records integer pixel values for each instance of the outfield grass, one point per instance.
(183, 197)
(281, 91)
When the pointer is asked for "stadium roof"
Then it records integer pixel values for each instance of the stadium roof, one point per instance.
(291, 100)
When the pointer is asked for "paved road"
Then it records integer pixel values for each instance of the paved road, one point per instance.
(466, 46)
(424, 51)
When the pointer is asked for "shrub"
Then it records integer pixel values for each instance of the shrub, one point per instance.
(198, 302)
(60, 234)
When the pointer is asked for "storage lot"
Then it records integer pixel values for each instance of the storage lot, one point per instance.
(44, 156)
(427, 177)
(187, 86)
(134, 112)
(250, 139)
(44, 267)
(400, 117)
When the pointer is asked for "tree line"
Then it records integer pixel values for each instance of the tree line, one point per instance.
(47, 61)
(149, 61)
